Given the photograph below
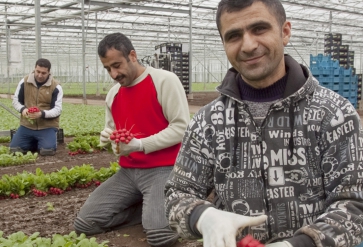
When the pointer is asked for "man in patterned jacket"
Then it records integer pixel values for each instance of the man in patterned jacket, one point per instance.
(151, 104)
(38, 130)
(274, 143)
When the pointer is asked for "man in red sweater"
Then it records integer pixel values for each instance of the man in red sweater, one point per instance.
(152, 105)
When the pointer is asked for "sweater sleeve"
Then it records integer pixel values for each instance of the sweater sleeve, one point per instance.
(341, 154)
(56, 103)
(109, 123)
(18, 99)
(172, 98)
(190, 182)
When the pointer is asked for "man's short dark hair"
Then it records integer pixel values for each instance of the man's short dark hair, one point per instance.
(42, 62)
(274, 6)
(116, 41)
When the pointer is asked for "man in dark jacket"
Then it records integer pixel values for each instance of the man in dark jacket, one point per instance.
(38, 129)
(274, 144)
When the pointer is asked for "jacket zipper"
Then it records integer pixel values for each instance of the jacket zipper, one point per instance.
(37, 104)
(264, 181)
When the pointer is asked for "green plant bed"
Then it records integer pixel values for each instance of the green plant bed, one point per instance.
(203, 86)
(20, 239)
(41, 184)
(76, 119)
(4, 139)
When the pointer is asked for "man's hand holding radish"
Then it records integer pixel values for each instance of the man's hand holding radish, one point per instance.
(123, 149)
(123, 142)
(105, 137)
(220, 228)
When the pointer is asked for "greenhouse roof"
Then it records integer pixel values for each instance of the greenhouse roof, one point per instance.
(69, 25)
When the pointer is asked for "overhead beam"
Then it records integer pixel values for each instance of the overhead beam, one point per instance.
(138, 7)
(314, 6)
(43, 12)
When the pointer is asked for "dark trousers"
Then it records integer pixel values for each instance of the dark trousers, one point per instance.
(34, 140)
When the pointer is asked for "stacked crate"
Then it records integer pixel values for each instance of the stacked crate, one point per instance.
(331, 42)
(335, 77)
(346, 75)
(185, 71)
(359, 91)
(172, 58)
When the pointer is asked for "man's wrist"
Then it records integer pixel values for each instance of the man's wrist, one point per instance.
(141, 147)
(195, 215)
(301, 240)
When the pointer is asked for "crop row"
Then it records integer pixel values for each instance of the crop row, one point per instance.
(18, 158)
(84, 144)
(15, 186)
(20, 239)
(76, 119)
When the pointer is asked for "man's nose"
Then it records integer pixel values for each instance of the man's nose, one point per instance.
(249, 43)
(113, 73)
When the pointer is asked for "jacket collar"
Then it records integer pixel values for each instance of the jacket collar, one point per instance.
(31, 79)
(298, 75)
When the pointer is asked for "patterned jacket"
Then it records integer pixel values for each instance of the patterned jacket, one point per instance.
(302, 167)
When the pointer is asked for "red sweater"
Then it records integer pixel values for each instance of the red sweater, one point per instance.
(137, 109)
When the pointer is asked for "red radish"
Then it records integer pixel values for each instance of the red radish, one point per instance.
(39, 193)
(249, 241)
(14, 196)
(121, 135)
(33, 109)
(55, 191)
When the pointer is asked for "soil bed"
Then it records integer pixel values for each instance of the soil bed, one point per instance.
(30, 214)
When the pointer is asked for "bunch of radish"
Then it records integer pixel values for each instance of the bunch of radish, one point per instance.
(39, 193)
(121, 135)
(55, 191)
(32, 109)
(14, 196)
(79, 151)
(86, 185)
(249, 241)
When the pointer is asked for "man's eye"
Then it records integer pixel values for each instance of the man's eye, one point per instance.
(232, 36)
(259, 29)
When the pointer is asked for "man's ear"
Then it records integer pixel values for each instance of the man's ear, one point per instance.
(133, 56)
(286, 32)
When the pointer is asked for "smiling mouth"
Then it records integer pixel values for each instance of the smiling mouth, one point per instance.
(119, 78)
(253, 60)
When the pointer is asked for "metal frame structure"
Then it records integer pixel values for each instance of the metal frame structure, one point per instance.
(67, 32)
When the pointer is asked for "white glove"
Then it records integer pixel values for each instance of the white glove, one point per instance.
(105, 137)
(220, 228)
(124, 149)
(280, 244)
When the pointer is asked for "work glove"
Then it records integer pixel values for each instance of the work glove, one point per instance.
(220, 228)
(105, 137)
(280, 244)
(123, 149)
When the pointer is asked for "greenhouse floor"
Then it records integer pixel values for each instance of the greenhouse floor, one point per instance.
(31, 214)
(77, 100)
